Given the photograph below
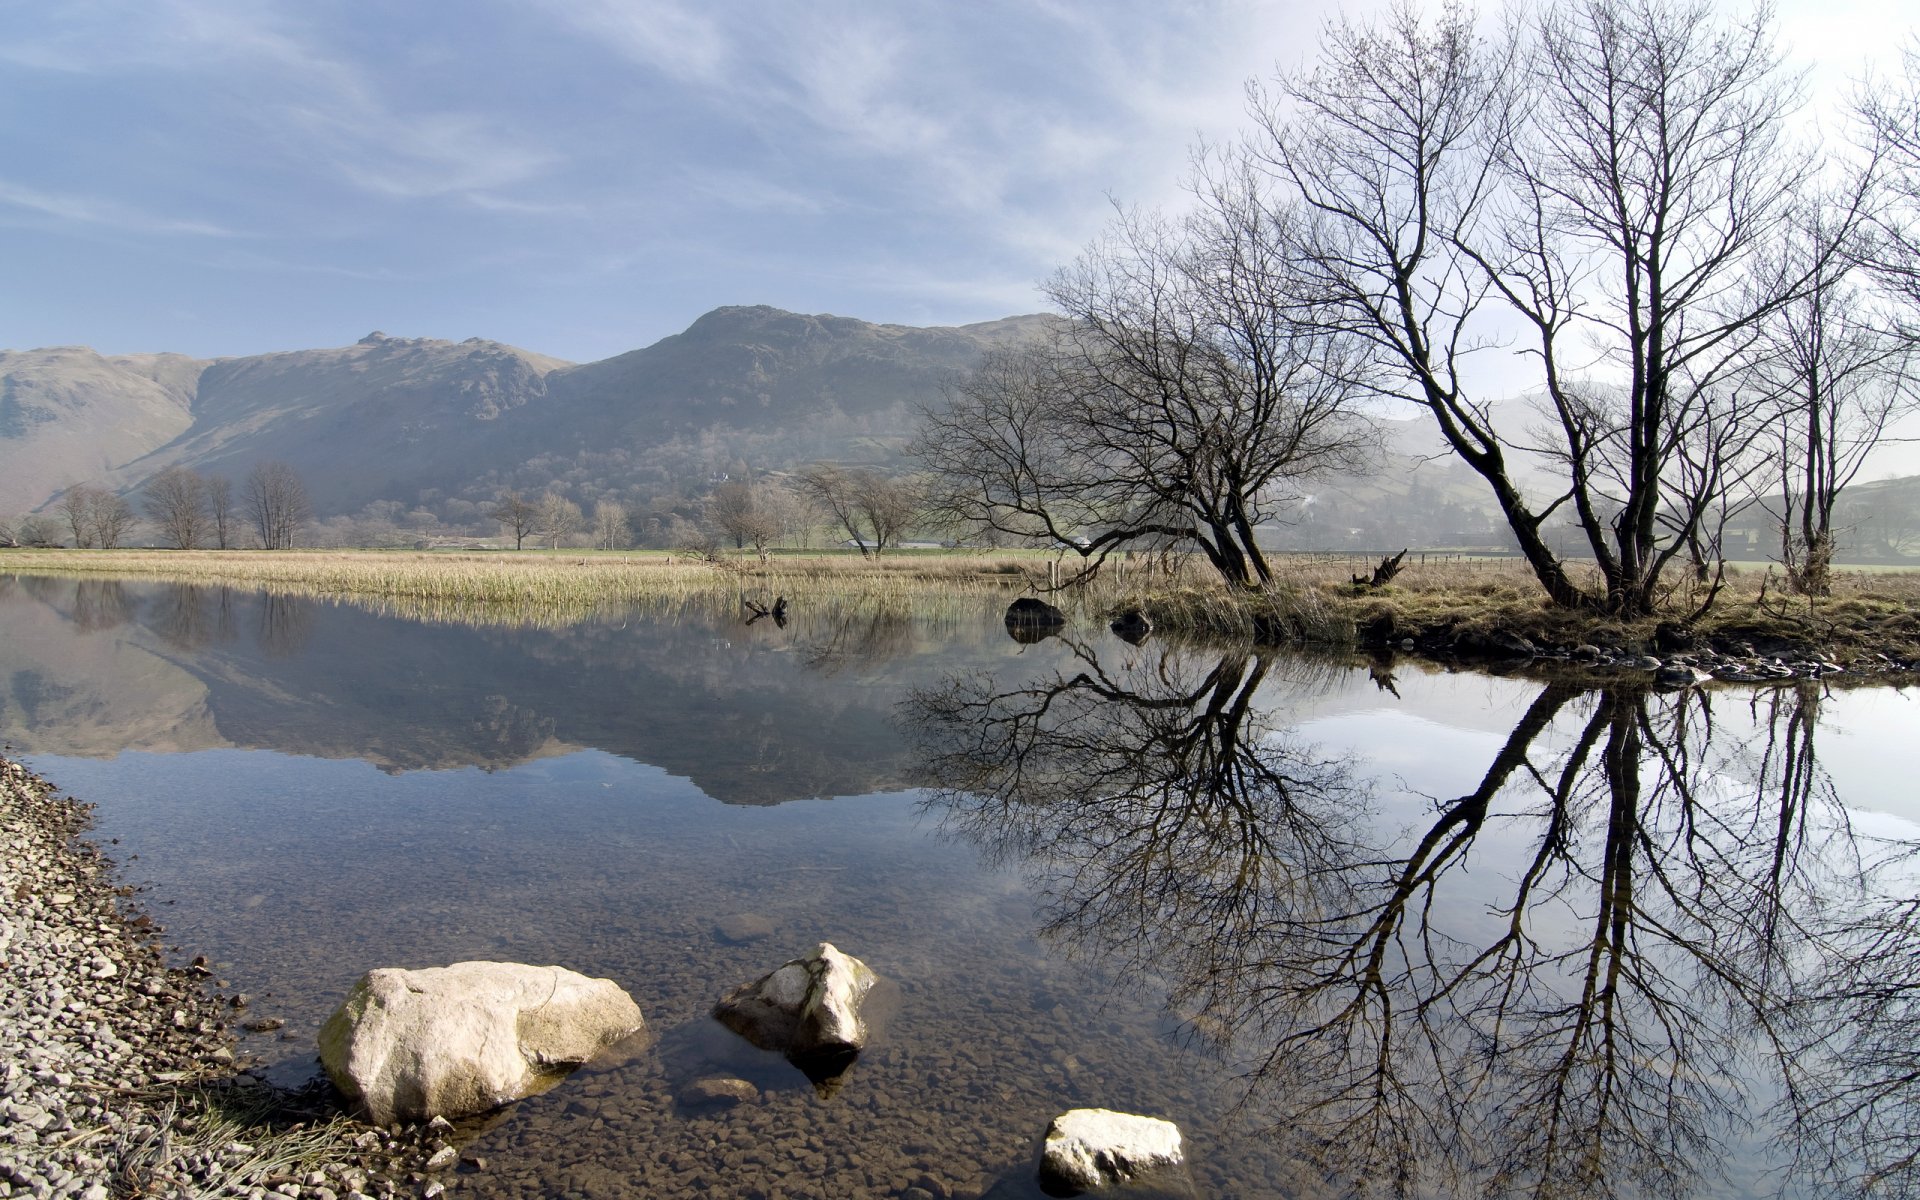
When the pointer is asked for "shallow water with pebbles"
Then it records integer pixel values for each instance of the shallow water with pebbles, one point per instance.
(981, 1034)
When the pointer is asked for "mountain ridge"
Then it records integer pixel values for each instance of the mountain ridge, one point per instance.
(388, 417)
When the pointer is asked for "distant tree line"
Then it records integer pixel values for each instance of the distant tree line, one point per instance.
(184, 510)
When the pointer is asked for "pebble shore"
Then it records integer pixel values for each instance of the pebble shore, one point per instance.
(118, 1074)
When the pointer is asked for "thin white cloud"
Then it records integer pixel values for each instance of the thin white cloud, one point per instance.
(679, 40)
(111, 214)
(746, 191)
(312, 106)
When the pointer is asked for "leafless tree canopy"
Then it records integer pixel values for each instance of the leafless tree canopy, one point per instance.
(176, 503)
(610, 528)
(1180, 401)
(1839, 372)
(220, 510)
(276, 504)
(1615, 179)
(557, 519)
(36, 530)
(874, 509)
(1890, 111)
(519, 515)
(758, 514)
(95, 516)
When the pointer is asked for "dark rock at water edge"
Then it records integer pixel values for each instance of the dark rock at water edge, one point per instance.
(1132, 626)
(1033, 611)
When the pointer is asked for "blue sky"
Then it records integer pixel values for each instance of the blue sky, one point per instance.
(583, 177)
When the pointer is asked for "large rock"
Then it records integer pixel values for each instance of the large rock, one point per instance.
(1033, 611)
(807, 1009)
(1088, 1149)
(453, 1041)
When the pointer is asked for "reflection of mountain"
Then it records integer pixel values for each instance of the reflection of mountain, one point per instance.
(752, 715)
(73, 682)
(1588, 975)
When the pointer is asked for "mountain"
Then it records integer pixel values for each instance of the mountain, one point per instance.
(69, 415)
(379, 419)
(389, 418)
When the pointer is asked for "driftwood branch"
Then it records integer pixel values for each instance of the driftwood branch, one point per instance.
(1382, 574)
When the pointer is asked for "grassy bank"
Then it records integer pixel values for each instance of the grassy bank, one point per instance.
(1469, 601)
(1437, 604)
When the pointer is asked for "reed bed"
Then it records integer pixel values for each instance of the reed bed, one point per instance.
(483, 577)
(552, 591)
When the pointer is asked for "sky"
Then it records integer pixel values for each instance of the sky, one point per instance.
(584, 177)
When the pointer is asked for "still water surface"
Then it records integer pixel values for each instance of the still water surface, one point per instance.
(1356, 927)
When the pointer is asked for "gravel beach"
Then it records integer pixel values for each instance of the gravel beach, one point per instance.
(118, 1076)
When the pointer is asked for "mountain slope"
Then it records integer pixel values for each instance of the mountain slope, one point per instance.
(69, 415)
(380, 418)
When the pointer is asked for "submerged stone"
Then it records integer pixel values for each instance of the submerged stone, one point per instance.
(807, 1009)
(1089, 1149)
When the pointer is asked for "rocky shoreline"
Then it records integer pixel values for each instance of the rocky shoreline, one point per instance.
(118, 1074)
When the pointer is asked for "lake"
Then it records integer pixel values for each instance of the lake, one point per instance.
(1353, 925)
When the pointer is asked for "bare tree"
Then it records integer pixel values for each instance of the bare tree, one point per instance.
(1841, 376)
(732, 512)
(176, 503)
(112, 519)
(889, 504)
(610, 529)
(276, 504)
(1890, 114)
(38, 531)
(558, 518)
(75, 507)
(1177, 407)
(95, 516)
(220, 510)
(873, 508)
(518, 514)
(1615, 177)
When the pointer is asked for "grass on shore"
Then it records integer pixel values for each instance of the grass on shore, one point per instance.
(1312, 601)
(542, 588)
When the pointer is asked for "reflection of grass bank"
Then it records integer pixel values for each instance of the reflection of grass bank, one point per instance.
(1436, 604)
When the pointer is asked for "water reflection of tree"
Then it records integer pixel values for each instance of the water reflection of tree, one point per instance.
(1854, 1023)
(857, 640)
(191, 616)
(1558, 983)
(285, 622)
(100, 604)
(1171, 821)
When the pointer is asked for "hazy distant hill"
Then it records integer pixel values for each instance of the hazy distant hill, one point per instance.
(68, 415)
(381, 418)
(388, 417)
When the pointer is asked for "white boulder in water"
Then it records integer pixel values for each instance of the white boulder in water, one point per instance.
(463, 1039)
(1088, 1149)
(807, 1008)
